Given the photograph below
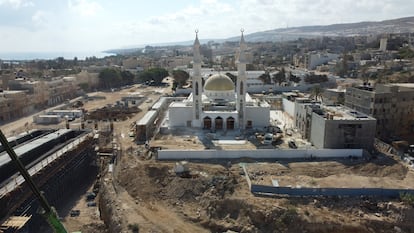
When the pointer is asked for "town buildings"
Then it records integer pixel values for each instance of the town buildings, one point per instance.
(13, 104)
(391, 104)
(25, 96)
(313, 59)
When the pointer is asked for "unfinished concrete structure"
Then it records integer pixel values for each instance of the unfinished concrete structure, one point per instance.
(391, 104)
(339, 127)
(325, 126)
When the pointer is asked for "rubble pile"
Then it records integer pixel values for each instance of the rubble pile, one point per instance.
(216, 197)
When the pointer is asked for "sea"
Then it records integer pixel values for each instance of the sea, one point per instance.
(22, 56)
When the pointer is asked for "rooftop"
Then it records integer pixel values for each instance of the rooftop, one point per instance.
(343, 113)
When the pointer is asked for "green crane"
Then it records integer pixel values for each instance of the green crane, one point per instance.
(49, 212)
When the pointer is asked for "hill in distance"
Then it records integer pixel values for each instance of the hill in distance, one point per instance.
(401, 25)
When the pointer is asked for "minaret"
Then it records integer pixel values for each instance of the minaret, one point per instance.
(197, 83)
(241, 82)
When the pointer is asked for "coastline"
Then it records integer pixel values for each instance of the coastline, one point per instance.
(24, 56)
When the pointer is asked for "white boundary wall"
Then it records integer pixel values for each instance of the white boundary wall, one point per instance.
(258, 154)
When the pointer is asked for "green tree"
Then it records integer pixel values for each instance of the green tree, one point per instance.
(279, 77)
(316, 93)
(127, 77)
(180, 77)
(109, 78)
(60, 63)
(316, 78)
(155, 75)
(294, 78)
(405, 53)
(265, 78)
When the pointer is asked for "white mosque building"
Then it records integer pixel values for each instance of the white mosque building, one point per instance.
(219, 104)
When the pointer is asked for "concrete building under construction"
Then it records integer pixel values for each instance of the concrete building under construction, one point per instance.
(391, 104)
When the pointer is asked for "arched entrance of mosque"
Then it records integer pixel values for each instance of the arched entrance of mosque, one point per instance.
(207, 123)
(230, 123)
(218, 123)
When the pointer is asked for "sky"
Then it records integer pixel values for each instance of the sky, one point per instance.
(97, 25)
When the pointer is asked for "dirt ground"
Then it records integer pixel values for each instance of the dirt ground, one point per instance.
(216, 198)
(149, 196)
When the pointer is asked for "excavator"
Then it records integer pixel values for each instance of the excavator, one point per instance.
(49, 213)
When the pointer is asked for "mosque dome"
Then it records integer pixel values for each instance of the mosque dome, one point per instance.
(219, 82)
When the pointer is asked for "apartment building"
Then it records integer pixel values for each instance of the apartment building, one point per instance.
(47, 92)
(26, 96)
(391, 104)
(313, 59)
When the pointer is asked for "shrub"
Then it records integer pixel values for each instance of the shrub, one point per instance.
(407, 198)
(133, 227)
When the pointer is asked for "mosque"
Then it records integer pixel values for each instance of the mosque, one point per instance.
(219, 104)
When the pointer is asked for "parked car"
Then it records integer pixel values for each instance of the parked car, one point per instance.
(91, 203)
(90, 196)
(74, 213)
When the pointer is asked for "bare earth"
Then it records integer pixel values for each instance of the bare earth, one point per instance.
(216, 198)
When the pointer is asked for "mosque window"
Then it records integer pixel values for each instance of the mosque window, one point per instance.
(241, 88)
(197, 113)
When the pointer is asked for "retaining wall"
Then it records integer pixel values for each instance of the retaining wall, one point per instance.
(263, 189)
(258, 154)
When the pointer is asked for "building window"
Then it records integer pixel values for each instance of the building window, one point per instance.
(197, 113)
(241, 88)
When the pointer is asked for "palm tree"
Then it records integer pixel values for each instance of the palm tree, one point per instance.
(294, 78)
(279, 77)
(265, 78)
(316, 93)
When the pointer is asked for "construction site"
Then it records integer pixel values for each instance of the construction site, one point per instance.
(102, 172)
